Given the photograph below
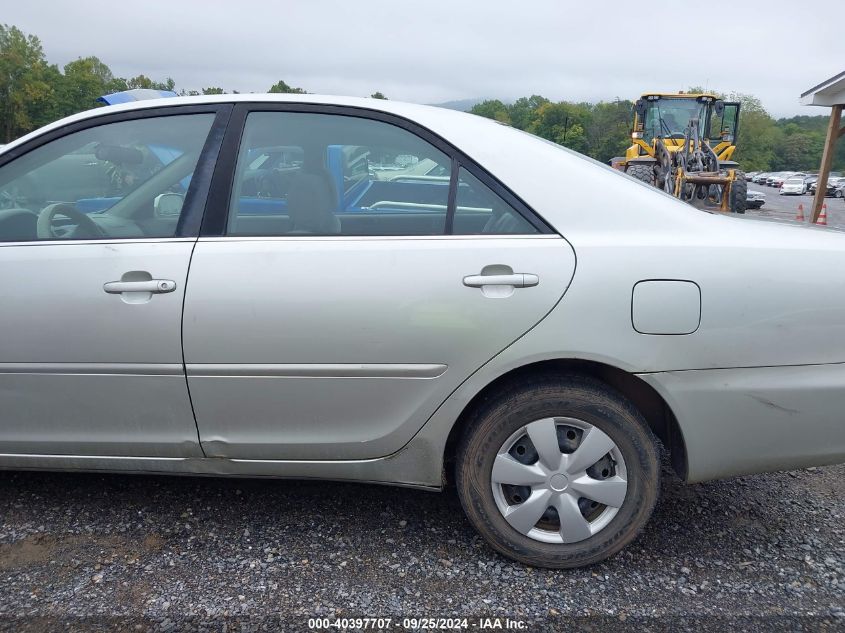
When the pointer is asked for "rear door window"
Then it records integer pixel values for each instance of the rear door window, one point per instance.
(336, 175)
(308, 173)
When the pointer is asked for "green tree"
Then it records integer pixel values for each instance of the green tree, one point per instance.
(522, 110)
(564, 123)
(608, 129)
(283, 88)
(213, 91)
(755, 145)
(83, 81)
(144, 82)
(797, 147)
(23, 85)
(492, 109)
(46, 110)
(140, 82)
(378, 95)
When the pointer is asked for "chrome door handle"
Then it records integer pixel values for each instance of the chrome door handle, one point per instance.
(155, 286)
(517, 280)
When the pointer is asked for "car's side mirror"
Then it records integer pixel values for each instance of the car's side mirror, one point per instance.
(168, 205)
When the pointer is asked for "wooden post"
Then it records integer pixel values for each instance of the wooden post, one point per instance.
(833, 133)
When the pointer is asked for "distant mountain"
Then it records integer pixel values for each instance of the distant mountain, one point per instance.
(464, 105)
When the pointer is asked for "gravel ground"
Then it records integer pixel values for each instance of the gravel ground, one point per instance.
(116, 552)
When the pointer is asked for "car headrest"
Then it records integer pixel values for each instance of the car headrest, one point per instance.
(312, 202)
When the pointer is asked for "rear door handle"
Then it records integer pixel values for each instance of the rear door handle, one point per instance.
(155, 286)
(517, 280)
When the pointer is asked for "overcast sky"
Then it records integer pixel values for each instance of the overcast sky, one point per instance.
(437, 50)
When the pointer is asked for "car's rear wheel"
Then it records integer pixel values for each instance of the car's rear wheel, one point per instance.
(558, 471)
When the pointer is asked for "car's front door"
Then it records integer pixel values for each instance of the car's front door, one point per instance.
(95, 243)
(340, 305)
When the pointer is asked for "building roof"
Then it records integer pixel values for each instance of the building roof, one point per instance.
(830, 92)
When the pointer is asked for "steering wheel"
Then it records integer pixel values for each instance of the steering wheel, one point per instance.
(85, 225)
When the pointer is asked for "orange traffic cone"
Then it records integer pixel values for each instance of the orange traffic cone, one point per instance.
(800, 217)
(823, 216)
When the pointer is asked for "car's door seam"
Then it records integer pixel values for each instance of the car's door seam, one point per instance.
(188, 275)
(182, 347)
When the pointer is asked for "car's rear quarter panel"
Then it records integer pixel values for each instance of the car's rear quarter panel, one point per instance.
(759, 385)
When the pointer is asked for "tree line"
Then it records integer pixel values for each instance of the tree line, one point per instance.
(34, 92)
(603, 130)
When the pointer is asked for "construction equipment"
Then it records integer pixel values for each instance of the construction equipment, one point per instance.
(683, 144)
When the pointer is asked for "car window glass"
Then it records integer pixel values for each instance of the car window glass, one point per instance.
(323, 174)
(118, 180)
(479, 210)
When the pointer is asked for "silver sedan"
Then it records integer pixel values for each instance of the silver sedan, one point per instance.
(308, 287)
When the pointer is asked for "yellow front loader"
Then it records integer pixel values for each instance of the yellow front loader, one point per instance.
(683, 143)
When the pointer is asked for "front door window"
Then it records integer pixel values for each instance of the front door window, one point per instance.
(119, 180)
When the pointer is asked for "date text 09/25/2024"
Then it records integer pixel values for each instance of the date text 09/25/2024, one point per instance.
(415, 624)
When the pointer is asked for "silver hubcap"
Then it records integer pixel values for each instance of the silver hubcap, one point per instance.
(559, 480)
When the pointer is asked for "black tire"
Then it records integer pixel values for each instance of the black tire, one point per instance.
(739, 194)
(573, 396)
(642, 171)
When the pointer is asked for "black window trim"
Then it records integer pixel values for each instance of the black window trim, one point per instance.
(215, 219)
(196, 198)
(452, 204)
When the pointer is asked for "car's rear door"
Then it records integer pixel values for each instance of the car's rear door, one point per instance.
(90, 318)
(322, 332)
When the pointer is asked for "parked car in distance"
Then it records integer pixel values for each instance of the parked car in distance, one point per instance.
(365, 290)
(770, 178)
(793, 185)
(832, 184)
(755, 199)
(749, 176)
(761, 177)
(778, 180)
